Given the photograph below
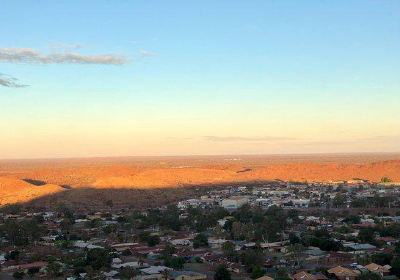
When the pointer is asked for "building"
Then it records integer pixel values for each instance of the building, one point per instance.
(376, 268)
(234, 202)
(265, 278)
(304, 276)
(342, 273)
(301, 203)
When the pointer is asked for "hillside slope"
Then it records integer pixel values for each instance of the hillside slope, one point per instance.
(14, 189)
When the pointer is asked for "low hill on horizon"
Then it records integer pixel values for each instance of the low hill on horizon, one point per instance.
(18, 187)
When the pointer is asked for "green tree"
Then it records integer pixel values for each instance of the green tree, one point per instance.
(338, 200)
(257, 272)
(109, 203)
(282, 274)
(366, 235)
(294, 215)
(229, 249)
(396, 265)
(359, 203)
(98, 258)
(252, 258)
(18, 275)
(382, 258)
(13, 255)
(397, 248)
(53, 269)
(127, 252)
(222, 273)
(177, 263)
(353, 219)
(153, 240)
(170, 218)
(297, 253)
(32, 271)
(127, 273)
(168, 251)
(236, 230)
(200, 241)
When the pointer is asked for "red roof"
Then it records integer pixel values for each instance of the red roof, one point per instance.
(30, 265)
(388, 239)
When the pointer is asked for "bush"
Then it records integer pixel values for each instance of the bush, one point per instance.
(18, 275)
(126, 252)
(200, 241)
(222, 273)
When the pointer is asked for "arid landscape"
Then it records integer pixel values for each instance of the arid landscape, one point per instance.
(151, 180)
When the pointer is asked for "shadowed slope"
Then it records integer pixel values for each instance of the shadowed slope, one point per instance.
(124, 177)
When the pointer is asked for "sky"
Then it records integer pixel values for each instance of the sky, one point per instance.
(211, 77)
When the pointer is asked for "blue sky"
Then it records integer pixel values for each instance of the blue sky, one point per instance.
(200, 77)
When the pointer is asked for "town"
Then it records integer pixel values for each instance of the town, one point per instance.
(343, 230)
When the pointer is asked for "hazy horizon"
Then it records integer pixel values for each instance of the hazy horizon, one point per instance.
(395, 153)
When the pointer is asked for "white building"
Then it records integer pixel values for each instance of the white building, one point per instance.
(301, 203)
(234, 202)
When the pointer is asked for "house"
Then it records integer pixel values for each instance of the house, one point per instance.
(337, 257)
(110, 274)
(342, 273)
(265, 278)
(307, 276)
(212, 258)
(216, 243)
(301, 203)
(30, 265)
(116, 261)
(191, 255)
(155, 269)
(234, 267)
(133, 264)
(389, 240)
(186, 275)
(376, 268)
(235, 202)
(82, 245)
(359, 247)
(2, 258)
(180, 241)
(303, 276)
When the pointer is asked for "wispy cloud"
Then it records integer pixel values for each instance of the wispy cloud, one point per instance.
(247, 139)
(147, 53)
(66, 47)
(7, 81)
(24, 55)
(61, 54)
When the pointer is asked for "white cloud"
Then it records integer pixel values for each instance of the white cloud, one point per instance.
(7, 81)
(15, 55)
